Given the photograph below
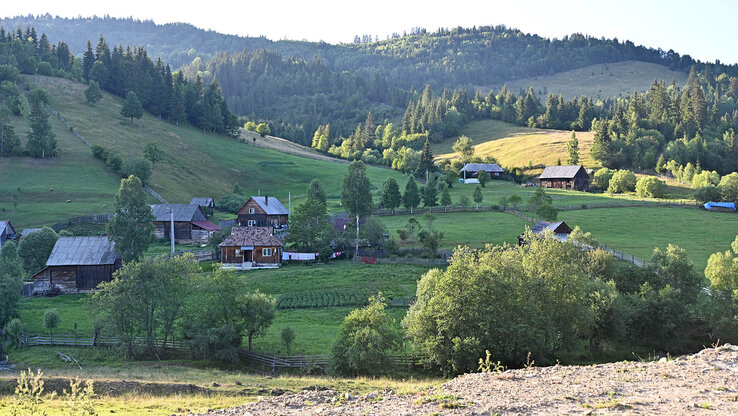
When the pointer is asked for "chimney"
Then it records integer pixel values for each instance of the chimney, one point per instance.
(266, 199)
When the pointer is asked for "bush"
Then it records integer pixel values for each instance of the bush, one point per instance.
(138, 167)
(602, 178)
(729, 187)
(44, 68)
(114, 162)
(15, 330)
(708, 193)
(100, 152)
(231, 203)
(649, 186)
(547, 212)
(622, 181)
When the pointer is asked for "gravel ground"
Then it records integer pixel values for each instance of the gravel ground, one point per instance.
(703, 383)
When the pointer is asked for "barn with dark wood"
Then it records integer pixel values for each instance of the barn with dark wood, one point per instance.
(565, 177)
(471, 170)
(77, 264)
(251, 248)
(560, 230)
(207, 205)
(190, 224)
(263, 211)
(7, 232)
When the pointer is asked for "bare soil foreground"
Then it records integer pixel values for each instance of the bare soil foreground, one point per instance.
(703, 383)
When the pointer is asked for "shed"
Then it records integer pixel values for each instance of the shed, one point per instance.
(7, 232)
(263, 211)
(77, 264)
(470, 170)
(190, 223)
(565, 177)
(720, 206)
(207, 205)
(559, 229)
(251, 247)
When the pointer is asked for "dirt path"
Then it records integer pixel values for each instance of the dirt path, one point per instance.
(703, 383)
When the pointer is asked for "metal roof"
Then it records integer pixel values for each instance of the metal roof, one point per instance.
(270, 205)
(487, 167)
(543, 226)
(27, 231)
(206, 225)
(6, 225)
(251, 236)
(182, 212)
(82, 251)
(555, 172)
(203, 202)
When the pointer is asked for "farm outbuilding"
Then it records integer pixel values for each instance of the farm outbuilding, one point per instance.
(190, 223)
(7, 232)
(565, 177)
(251, 248)
(720, 206)
(77, 264)
(263, 211)
(471, 170)
(207, 205)
(559, 229)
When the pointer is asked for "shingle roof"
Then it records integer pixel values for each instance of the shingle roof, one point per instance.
(251, 236)
(203, 202)
(272, 206)
(554, 172)
(487, 167)
(182, 212)
(82, 251)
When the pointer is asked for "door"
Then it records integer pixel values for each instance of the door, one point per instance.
(248, 256)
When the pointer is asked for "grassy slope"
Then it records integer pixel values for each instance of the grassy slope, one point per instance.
(600, 81)
(196, 163)
(517, 146)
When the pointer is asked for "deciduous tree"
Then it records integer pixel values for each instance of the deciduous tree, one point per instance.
(132, 226)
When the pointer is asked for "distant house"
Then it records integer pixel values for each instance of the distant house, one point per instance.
(251, 247)
(77, 264)
(27, 231)
(720, 206)
(565, 177)
(470, 170)
(263, 211)
(559, 229)
(342, 224)
(190, 224)
(207, 205)
(7, 232)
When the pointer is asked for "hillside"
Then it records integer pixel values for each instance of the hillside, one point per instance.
(195, 163)
(518, 146)
(703, 383)
(599, 81)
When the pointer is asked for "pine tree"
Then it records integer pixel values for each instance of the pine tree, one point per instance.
(426, 165)
(391, 197)
(88, 59)
(477, 195)
(41, 140)
(93, 93)
(601, 148)
(411, 197)
(430, 193)
(445, 197)
(131, 107)
(572, 148)
(315, 191)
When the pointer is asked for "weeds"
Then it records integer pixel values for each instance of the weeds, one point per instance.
(486, 365)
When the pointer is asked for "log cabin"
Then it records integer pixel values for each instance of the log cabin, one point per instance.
(263, 211)
(471, 170)
(565, 177)
(190, 224)
(207, 205)
(77, 264)
(251, 248)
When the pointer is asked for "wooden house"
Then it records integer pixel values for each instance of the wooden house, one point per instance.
(263, 211)
(560, 230)
(7, 232)
(565, 177)
(77, 264)
(190, 224)
(207, 205)
(250, 248)
(471, 170)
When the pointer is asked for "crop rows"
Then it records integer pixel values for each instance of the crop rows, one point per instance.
(322, 299)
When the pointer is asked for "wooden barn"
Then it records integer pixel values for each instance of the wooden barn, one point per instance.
(77, 264)
(263, 211)
(7, 232)
(470, 170)
(559, 229)
(207, 205)
(251, 248)
(565, 177)
(190, 224)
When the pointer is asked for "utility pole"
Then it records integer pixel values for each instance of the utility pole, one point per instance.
(171, 228)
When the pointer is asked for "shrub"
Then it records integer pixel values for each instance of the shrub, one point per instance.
(729, 187)
(138, 167)
(15, 330)
(287, 335)
(708, 193)
(649, 186)
(114, 162)
(547, 212)
(44, 68)
(100, 152)
(602, 178)
(231, 203)
(51, 321)
(622, 181)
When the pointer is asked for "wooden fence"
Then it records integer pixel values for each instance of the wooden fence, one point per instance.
(96, 218)
(66, 340)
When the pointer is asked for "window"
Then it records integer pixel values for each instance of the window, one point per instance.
(266, 252)
(252, 223)
(252, 210)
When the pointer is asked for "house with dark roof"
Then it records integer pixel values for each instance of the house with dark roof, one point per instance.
(7, 232)
(565, 177)
(560, 230)
(250, 248)
(263, 211)
(207, 205)
(471, 170)
(77, 264)
(190, 224)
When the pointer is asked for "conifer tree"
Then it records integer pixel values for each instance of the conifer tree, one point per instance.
(426, 165)
(391, 197)
(572, 148)
(131, 107)
(411, 197)
(41, 140)
(93, 93)
(88, 59)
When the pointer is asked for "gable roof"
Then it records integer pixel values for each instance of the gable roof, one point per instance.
(555, 227)
(558, 172)
(203, 202)
(82, 251)
(270, 205)
(251, 236)
(182, 212)
(6, 225)
(206, 225)
(487, 167)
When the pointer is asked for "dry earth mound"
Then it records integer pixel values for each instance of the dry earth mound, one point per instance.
(703, 383)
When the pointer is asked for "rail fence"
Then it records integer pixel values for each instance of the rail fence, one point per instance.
(96, 218)
(274, 362)
(66, 340)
